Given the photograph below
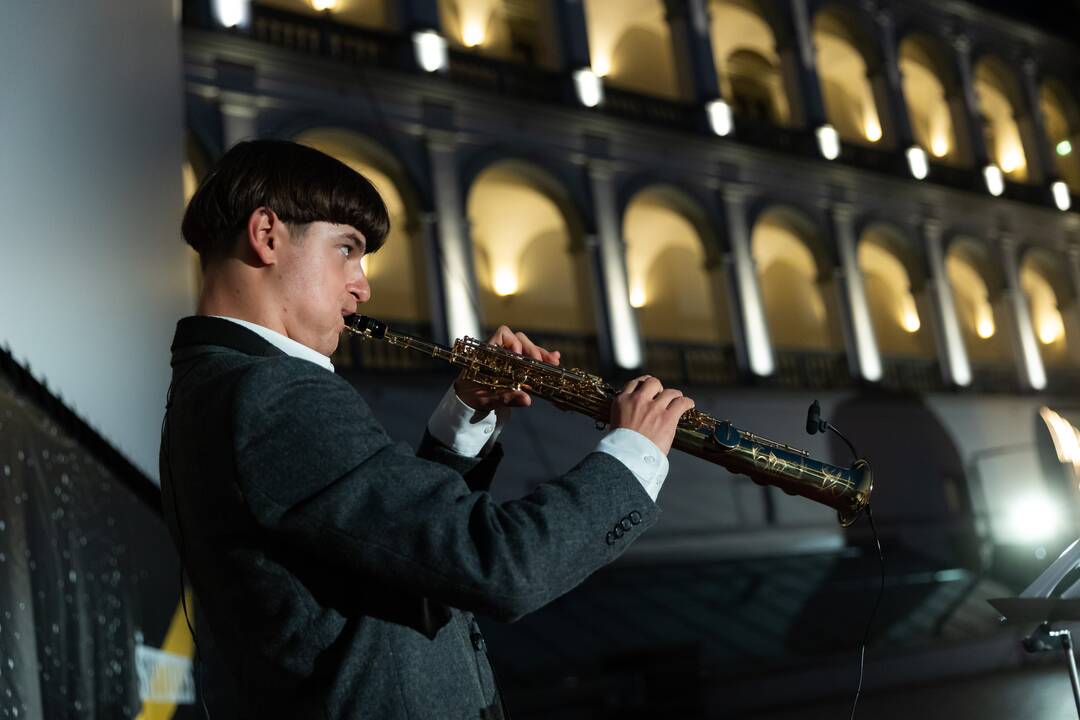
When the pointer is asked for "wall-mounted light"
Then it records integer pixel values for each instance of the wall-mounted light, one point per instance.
(1011, 160)
(939, 146)
(1061, 195)
(910, 318)
(872, 129)
(995, 181)
(601, 65)
(637, 296)
(828, 141)
(472, 34)
(322, 5)
(589, 86)
(430, 49)
(720, 119)
(917, 162)
(1051, 328)
(232, 13)
(505, 282)
(1064, 148)
(984, 324)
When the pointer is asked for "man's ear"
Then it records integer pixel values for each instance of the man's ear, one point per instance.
(262, 234)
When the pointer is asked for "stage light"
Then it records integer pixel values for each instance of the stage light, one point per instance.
(1064, 148)
(1061, 195)
(505, 282)
(828, 141)
(1033, 518)
(917, 162)
(719, 117)
(995, 181)
(232, 13)
(590, 88)
(430, 49)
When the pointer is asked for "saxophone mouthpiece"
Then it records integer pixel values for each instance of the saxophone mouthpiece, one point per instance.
(366, 326)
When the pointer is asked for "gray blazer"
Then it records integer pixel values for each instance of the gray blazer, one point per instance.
(336, 570)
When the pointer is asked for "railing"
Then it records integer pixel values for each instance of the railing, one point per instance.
(679, 363)
(911, 374)
(994, 378)
(658, 111)
(774, 137)
(322, 36)
(810, 369)
(1063, 380)
(507, 78)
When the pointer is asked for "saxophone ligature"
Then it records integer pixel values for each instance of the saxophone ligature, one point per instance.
(846, 490)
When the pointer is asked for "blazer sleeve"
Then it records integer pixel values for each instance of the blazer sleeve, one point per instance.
(318, 471)
(478, 471)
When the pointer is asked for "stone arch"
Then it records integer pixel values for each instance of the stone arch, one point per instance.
(675, 276)
(933, 95)
(531, 267)
(630, 46)
(796, 285)
(977, 286)
(846, 58)
(894, 277)
(999, 97)
(1050, 297)
(748, 65)
(1061, 115)
(397, 272)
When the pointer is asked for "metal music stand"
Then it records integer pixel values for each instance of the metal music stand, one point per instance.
(1043, 603)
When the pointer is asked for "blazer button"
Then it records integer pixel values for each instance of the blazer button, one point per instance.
(625, 524)
(618, 531)
(635, 517)
(610, 538)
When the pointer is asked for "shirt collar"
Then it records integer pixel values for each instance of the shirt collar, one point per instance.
(285, 344)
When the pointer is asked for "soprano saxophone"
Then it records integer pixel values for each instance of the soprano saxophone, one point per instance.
(846, 490)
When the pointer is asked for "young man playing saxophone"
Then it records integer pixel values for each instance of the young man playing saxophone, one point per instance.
(336, 570)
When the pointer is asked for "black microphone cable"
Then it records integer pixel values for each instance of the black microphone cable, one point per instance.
(815, 424)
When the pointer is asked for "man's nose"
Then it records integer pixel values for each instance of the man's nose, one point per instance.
(359, 288)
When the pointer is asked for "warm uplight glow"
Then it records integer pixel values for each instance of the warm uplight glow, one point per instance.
(601, 65)
(1051, 328)
(985, 325)
(472, 34)
(995, 181)
(872, 129)
(637, 296)
(430, 49)
(506, 282)
(939, 146)
(321, 5)
(589, 86)
(232, 13)
(1034, 517)
(917, 162)
(1011, 160)
(828, 142)
(1064, 148)
(719, 117)
(1061, 195)
(909, 319)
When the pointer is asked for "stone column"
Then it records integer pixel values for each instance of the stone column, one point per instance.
(573, 33)
(1071, 313)
(459, 297)
(749, 327)
(862, 350)
(1029, 119)
(889, 88)
(622, 346)
(948, 336)
(798, 64)
(426, 234)
(694, 60)
(964, 108)
(1014, 304)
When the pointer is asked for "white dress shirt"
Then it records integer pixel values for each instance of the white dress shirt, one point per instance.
(469, 432)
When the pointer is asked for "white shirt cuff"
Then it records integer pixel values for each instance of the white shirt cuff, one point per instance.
(464, 430)
(640, 455)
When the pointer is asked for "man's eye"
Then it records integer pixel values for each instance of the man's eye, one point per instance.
(345, 250)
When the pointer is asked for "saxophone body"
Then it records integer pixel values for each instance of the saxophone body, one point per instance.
(846, 490)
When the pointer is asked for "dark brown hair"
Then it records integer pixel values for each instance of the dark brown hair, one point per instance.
(300, 184)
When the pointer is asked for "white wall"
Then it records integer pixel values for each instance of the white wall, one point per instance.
(93, 274)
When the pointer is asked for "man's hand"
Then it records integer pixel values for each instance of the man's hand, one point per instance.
(482, 397)
(645, 406)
